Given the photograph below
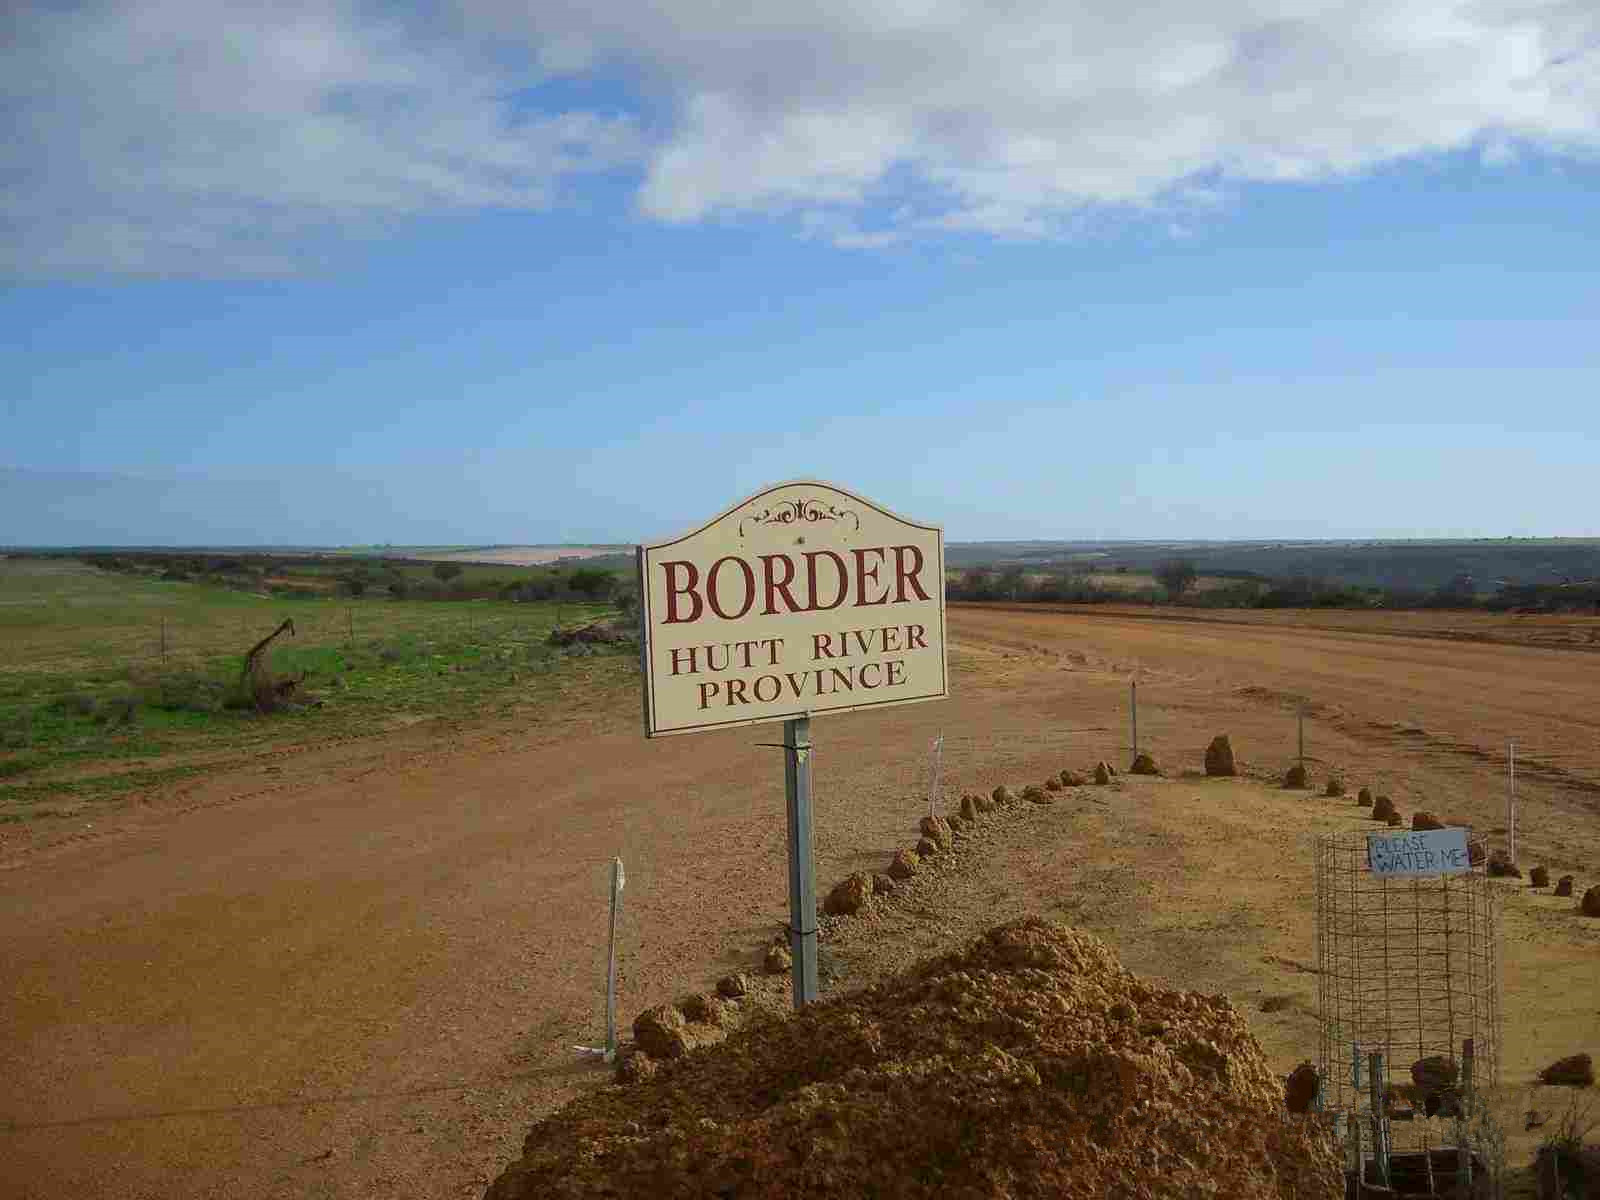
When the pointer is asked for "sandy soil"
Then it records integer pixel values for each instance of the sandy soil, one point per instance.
(360, 971)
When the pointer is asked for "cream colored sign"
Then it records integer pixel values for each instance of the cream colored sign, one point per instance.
(803, 599)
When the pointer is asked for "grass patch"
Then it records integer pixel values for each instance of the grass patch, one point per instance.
(89, 696)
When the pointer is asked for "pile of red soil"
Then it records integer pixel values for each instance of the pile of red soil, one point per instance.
(1029, 1064)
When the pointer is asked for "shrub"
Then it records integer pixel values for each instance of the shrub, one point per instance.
(75, 704)
(185, 691)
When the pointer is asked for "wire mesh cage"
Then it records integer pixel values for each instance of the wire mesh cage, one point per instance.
(1409, 970)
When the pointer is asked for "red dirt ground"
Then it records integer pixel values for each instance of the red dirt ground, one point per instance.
(360, 971)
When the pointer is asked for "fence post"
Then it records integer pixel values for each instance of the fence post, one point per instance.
(1380, 1121)
(619, 880)
(936, 761)
(1133, 708)
(1511, 800)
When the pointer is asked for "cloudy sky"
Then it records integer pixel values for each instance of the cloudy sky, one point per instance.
(573, 269)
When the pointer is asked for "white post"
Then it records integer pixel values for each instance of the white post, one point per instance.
(1511, 800)
(1133, 708)
(935, 761)
(619, 880)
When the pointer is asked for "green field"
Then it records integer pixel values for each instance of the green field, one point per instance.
(113, 682)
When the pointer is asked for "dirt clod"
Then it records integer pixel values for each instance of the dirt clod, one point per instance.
(1143, 764)
(1539, 877)
(1382, 808)
(927, 848)
(733, 986)
(1576, 1070)
(1425, 820)
(849, 896)
(701, 1008)
(1036, 795)
(1052, 784)
(1564, 885)
(969, 808)
(1071, 779)
(936, 829)
(1335, 786)
(1364, 797)
(1219, 756)
(778, 960)
(1590, 904)
(1000, 795)
(1501, 866)
(1102, 773)
(882, 885)
(635, 1066)
(994, 1070)
(903, 865)
(1295, 777)
(1301, 1088)
(1434, 1072)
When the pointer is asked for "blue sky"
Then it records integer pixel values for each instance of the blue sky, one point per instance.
(308, 272)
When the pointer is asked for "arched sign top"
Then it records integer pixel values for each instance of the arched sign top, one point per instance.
(801, 599)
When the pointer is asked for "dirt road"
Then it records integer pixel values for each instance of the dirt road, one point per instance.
(360, 972)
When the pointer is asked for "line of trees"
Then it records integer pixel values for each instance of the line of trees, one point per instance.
(1174, 581)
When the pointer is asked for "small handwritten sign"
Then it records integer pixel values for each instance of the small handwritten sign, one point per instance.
(1433, 852)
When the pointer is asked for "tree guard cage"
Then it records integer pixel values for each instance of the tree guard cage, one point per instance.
(1408, 995)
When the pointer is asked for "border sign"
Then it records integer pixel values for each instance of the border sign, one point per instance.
(803, 599)
(1413, 855)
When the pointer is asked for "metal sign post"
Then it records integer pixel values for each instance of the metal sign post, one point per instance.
(802, 873)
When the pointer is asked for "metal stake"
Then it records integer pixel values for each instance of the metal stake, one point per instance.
(1380, 1122)
(937, 758)
(1511, 800)
(1133, 707)
(619, 880)
(802, 875)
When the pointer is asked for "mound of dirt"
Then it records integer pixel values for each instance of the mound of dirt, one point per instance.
(903, 865)
(1422, 820)
(1576, 1070)
(1029, 1063)
(1564, 885)
(1295, 777)
(1539, 877)
(1364, 797)
(1501, 866)
(1144, 764)
(1219, 756)
(1590, 904)
(1335, 786)
(1102, 773)
(849, 896)
(1382, 808)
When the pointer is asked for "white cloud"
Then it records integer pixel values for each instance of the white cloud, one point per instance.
(180, 135)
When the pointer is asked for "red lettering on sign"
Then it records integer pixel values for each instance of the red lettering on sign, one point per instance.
(713, 596)
(864, 573)
(905, 574)
(842, 580)
(686, 589)
(779, 587)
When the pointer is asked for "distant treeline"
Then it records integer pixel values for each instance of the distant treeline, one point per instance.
(1172, 582)
(315, 576)
(1017, 585)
